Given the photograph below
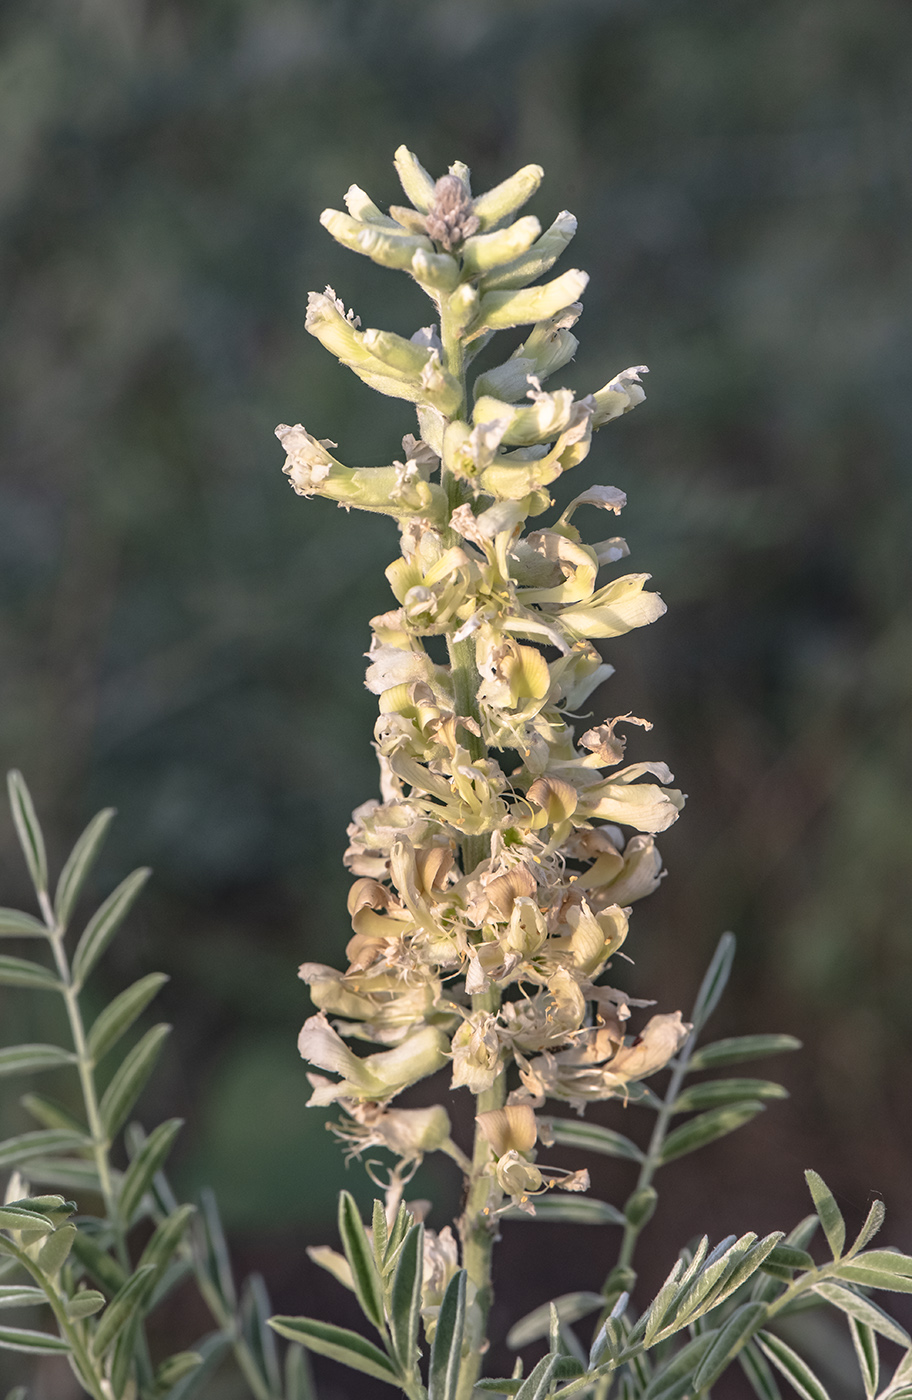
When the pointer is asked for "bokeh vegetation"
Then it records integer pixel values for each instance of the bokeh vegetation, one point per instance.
(181, 635)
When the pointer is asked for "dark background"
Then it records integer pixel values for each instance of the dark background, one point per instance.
(182, 636)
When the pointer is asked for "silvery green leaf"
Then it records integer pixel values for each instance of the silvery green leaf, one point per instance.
(51, 1114)
(875, 1276)
(21, 972)
(864, 1311)
(130, 1079)
(123, 1357)
(27, 1059)
(589, 1137)
(28, 830)
(168, 1279)
(260, 1338)
(714, 982)
(873, 1222)
(56, 1249)
(700, 1296)
(717, 1092)
(72, 1173)
(663, 1302)
(786, 1257)
(175, 1368)
(538, 1383)
(20, 1149)
(215, 1257)
(119, 1015)
(15, 924)
(790, 1364)
(85, 1303)
(298, 1379)
(97, 1263)
(149, 1159)
(211, 1349)
(122, 1308)
(507, 1385)
(339, 1344)
(746, 1266)
(365, 1274)
(21, 1296)
(570, 1209)
(741, 1047)
(104, 923)
(16, 1217)
(166, 1238)
(35, 1343)
(401, 1226)
(405, 1299)
(757, 1370)
(570, 1308)
(865, 1344)
(379, 1233)
(892, 1260)
(903, 1372)
(728, 1342)
(78, 864)
(673, 1380)
(707, 1127)
(828, 1211)
(446, 1349)
(18, 1392)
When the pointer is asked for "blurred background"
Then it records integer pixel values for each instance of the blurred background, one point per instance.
(182, 636)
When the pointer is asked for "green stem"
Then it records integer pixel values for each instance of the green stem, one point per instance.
(85, 1369)
(101, 1142)
(85, 1066)
(653, 1158)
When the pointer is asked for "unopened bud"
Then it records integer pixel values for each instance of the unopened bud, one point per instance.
(510, 195)
(450, 220)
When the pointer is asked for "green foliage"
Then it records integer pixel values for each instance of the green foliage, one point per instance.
(101, 1328)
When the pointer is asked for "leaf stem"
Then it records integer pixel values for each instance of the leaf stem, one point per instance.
(653, 1159)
